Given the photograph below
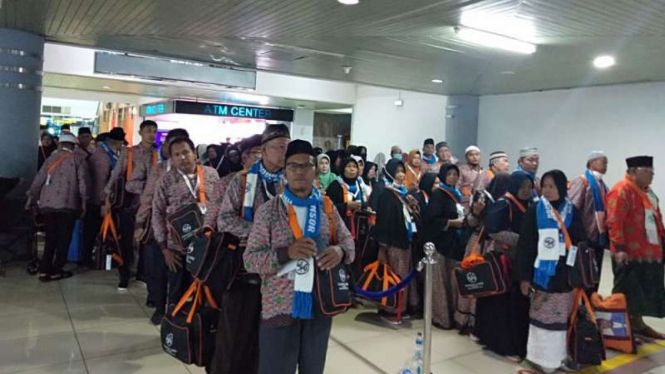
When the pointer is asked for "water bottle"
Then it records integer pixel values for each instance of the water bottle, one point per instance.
(420, 353)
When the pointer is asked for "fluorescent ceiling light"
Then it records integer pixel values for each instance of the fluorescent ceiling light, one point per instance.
(107, 87)
(348, 2)
(603, 62)
(437, 81)
(513, 26)
(495, 41)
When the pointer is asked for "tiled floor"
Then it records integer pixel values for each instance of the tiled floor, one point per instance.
(83, 325)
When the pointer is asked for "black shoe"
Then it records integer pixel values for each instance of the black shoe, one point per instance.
(123, 285)
(156, 318)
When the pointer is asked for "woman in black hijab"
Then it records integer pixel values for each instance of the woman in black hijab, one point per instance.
(552, 296)
(444, 217)
(232, 161)
(502, 322)
(395, 226)
(215, 154)
(45, 149)
(348, 194)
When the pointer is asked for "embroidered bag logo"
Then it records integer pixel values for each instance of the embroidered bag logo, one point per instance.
(186, 228)
(169, 340)
(472, 278)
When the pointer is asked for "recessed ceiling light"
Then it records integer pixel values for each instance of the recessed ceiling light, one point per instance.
(603, 62)
(107, 87)
(348, 2)
(300, 106)
(439, 81)
(507, 72)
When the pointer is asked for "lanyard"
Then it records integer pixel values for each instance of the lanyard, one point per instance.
(512, 198)
(200, 185)
(562, 225)
(293, 222)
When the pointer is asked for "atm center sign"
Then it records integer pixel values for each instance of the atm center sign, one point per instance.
(238, 111)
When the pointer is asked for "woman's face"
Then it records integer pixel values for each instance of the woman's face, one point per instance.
(324, 166)
(371, 173)
(400, 175)
(525, 190)
(47, 141)
(212, 154)
(550, 191)
(234, 156)
(452, 177)
(416, 161)
(351, 171)
(361, 167)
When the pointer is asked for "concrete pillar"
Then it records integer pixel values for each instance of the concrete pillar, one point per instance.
(21, 61)
(303, 125)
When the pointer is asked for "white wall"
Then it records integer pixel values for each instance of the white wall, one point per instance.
(303, 125)
(378, 124)
(624, 121)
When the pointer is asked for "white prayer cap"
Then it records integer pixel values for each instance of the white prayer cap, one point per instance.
(67, 138)
(472, 148)
(529, 151)
(594, 155)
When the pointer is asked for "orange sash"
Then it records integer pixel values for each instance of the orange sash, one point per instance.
(562, 225)
(57, 163)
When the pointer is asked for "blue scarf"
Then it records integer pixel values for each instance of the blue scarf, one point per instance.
(258, 171)
(431, 160)
(408, 221)
(112, 155)
(302, 300)
(545, 265)
(453, 190)
(598, 205)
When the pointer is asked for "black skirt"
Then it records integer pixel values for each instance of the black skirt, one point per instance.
(502, 322)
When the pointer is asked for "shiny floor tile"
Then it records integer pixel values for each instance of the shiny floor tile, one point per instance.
(106, 315)
(74, 367)
(118, 338)
(146, 361)
(35, 323)
(488, 362)
(341, 361)
(389, 352)
(33, 352)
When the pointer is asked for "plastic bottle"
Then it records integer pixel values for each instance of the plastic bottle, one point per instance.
(420, 353)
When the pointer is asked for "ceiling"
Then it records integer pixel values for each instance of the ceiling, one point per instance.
(173, 90)
(395, 43)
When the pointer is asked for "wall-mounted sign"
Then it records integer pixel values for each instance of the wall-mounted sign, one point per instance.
(218, 110)
(226, 110)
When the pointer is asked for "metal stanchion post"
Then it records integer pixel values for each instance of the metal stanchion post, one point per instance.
(429, 261)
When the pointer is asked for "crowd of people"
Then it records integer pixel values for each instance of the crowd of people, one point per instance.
(269, 191)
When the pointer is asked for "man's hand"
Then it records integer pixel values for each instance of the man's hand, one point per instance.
(29, 205)
(330, 258)
(106, 208)
(172, 259)
(413, 203)
(355, 205)
(138, 234)
(525, 286)
(456, 223)
(620, 258)
(302, 248)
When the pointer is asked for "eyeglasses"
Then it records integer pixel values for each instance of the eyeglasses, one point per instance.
(257, 155)
(295, 167)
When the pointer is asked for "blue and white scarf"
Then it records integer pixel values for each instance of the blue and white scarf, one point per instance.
(401, 190)
(453, 190)
(112, 155)
(304, 269)
(258, 171)
(598, 207)
(431, 160)
(355, 190)
(551, 240)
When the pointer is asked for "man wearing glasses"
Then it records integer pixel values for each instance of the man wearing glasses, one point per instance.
(290, 240)
(637, 235)
(237, 341)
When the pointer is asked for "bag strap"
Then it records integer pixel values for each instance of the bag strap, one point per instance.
(328, 207)
(373, 269)
(564, 229)
(57, 163)
(130, 163)
(580, 296)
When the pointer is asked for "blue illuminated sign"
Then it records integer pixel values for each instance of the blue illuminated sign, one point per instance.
(152, 110)
(219, 110)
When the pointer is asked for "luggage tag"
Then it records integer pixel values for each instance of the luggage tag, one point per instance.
(572, 256)
(48, 179)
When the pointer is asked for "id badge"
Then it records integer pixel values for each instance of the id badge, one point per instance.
(572, 256)
(562, 245)
(48, 179)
